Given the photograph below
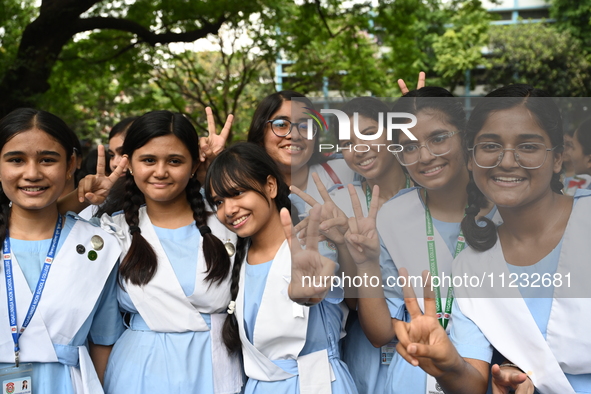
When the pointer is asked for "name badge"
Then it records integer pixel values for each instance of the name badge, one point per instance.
(17, 380)
(387, 352)
(432, 386)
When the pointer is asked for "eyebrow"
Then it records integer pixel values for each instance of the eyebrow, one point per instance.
(168, 157)
(39, 153)
(520, 136)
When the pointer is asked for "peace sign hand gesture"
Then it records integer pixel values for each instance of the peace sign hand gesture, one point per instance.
(362, 236)
(423, 341)
(309, 269)
(213, 144)
(95, 188)
(420, 83)
(333, 221)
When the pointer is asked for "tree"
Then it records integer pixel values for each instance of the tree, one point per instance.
(120, 26)
(554, 61)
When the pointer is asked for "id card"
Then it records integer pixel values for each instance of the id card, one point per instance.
(432, 386)
(387, 352)
(17, 380)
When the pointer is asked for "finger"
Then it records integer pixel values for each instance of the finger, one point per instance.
(100, 160)
(355, 201)
(421, 82)
(119, 169)
(313, 224)
(507, 376)
(203, 148)
(210, 121)
(401, 349)
(288, 228)
(402, 87)
(333, 222)
(308, 199)
(429, 294)
(410, 299)
(301, 225)
(373, 205)
(83, 187)
(321, 188)
(225, 133)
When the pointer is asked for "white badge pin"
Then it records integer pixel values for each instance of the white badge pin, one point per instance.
(97, 242)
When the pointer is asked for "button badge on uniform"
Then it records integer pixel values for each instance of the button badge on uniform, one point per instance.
(80, 249)
(97, 242)
(92, 255)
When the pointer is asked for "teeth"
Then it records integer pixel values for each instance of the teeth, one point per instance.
(366, 162)
(507, 179)
(433, 169)
(238, 221)
(293, 148)
(33, 189)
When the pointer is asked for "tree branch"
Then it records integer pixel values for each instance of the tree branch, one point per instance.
(147, 35)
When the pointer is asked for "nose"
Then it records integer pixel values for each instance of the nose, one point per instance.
(160, 170)
(32, 172)
(230, 207)
(508, 159)
(425, 155)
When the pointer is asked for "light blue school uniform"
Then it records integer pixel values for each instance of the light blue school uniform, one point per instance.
(471, 342)
(103, 326)
(144, 361)
(402, 377)
(324, 327)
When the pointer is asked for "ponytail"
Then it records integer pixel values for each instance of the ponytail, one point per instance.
(230, 332)
(217, 259)
(140, 263)
(479, 237)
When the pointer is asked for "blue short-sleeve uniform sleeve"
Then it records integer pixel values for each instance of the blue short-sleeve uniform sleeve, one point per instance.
(393, 294)
(467, 337)
(107, 324)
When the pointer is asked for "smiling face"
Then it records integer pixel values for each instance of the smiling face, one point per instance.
(162, 168)
(33, 176)
(508, 184)
(293, 151)
(435, 172)
(247, 212)
(581, 163)
(377, 161)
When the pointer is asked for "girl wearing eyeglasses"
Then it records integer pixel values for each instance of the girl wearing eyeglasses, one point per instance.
(515, 141)
(280, 125)
(419, 229)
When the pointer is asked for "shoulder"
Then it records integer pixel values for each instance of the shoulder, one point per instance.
(404, 197)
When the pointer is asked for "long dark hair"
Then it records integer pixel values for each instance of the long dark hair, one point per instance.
(266, 108)
(583, 135)
(25, 119)
(140, 263)
(244, 166)
(546, 114)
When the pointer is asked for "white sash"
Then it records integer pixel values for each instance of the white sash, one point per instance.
(72, 289)
(509, 326)
(162, 303)
(281, 318)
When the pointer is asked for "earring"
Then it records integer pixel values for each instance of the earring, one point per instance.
(69, 176)
(193, 174)
(131, 172)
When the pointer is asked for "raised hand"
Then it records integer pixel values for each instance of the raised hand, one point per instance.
(510, 379)
(362, 236)
(213, 144)
(311, 272)
(333, 221)
(420, 83)
(95, 188)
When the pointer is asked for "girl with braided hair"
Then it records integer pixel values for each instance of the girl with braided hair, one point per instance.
(175, 268)
(287, 330)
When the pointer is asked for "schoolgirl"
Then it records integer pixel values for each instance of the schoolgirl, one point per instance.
(580, 158)
(287, 347)
(515, 141)
(175, 267)
(279, 124)
(420, 228)
(67, 263)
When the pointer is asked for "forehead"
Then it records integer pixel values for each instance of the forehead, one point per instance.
(429, 122)
(33, 141)
(164, 145)
(511, 125)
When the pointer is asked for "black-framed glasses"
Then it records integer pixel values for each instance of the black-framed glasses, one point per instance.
(282, 127)
(528, 155)
(437, 145)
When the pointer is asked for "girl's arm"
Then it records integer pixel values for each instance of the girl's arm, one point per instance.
(99, 355)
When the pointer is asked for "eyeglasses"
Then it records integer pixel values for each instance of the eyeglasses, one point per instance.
(282, 127)
(529, 155)
(438, 145)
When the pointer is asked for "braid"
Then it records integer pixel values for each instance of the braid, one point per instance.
(230, 333)
(478, 237)
(4, 214)
(140, 263)
(217, 259)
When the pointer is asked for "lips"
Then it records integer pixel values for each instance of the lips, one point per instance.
(292, 148)
(507, 180)
(240, 221)
(433, 170)
(34, 189)
(366, 162)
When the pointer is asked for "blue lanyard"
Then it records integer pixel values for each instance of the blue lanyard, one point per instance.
(16, 334)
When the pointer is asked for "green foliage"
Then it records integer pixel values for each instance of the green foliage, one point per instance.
(574, 17)
(552, 61)
(15, 15)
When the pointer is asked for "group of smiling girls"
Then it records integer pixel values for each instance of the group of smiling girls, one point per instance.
(189, 276)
